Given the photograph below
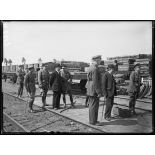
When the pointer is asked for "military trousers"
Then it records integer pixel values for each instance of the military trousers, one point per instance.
(132, 101)
(44, 94)
(93, 102)
(109, 105)
(56, 99)
(20, 89)
(31, 99)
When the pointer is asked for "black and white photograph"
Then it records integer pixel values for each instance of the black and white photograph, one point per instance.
(77, 77)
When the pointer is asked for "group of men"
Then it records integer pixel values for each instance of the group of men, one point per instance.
(60, 82)
(102, 84)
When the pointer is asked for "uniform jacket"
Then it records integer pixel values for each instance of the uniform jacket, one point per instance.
(29, 82)
(20, 74)
(43, 79)
(56, 81)
(135, 81)
(93, 81)
(66, 80)
(108, 85)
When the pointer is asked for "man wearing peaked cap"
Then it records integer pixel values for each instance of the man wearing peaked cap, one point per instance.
(96, 57)
(20, 79)
(93, 89)
(134, 87)
(29, 83)
(43, 80)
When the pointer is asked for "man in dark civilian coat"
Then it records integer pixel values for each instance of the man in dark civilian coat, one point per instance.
(56, 84)
(109, 90)
(93, 89)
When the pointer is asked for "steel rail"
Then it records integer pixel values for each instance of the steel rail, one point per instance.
(14, 122)
(57, 113)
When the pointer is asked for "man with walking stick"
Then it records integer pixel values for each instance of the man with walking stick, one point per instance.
(94, 89)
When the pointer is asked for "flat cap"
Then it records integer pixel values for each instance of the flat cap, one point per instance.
(57, 65)
(136, 65)
(30, 66)
(96, 57)
(111, 66)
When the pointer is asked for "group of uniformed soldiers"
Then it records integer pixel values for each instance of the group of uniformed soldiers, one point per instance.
(101, 83)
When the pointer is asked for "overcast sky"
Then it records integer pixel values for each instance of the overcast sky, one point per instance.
(77, 41)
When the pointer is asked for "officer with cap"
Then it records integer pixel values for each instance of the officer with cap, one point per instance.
(43, 80)
(66, 81)
(109, 90)
(56, 85)
(30, 86)
(20, 79)
(93, 89)
(134, 87)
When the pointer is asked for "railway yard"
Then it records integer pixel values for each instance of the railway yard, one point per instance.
(17, 119)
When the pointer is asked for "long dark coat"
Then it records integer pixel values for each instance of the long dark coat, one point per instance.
(108, 85)
(56, 81)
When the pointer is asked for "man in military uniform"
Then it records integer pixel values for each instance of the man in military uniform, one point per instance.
(66, 81)
(29, 83)
(43, 80)
(134, 87)
(20, 79)
(109, 90)
(93, 89)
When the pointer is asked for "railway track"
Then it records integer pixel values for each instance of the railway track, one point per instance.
(83, 95)
(43, 121)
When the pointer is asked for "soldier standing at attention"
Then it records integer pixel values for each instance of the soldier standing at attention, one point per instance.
(94, 89)
(56, 84)
(43, 80)
(134, 87)
(20, 80)
(109, 90)
(66, 81)
(30, 86)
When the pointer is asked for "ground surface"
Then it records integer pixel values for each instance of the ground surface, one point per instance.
(141, 123)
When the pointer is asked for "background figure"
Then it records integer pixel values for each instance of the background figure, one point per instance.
(66, 83)
(43, 80)
(134, 87)
(93, 89)
(5, 77)
(20, 80)
(30, 86)
(56, 84)
(109, 90)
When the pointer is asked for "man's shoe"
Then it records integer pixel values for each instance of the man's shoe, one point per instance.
(108, 119)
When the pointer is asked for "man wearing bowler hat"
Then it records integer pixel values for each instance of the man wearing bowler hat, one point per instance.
(56, 84)
(94, 89)
(43, 80)
(30, 86)
(109, 90)
(134, 87)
